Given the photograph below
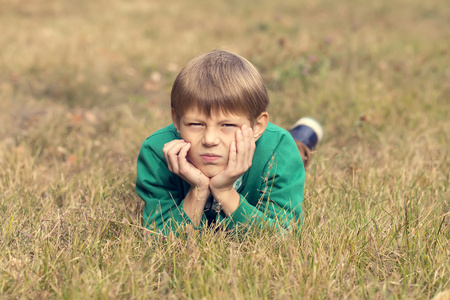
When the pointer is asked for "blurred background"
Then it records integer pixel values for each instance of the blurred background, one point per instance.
(86, 81)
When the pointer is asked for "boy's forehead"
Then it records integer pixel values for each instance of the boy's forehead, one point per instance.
(194, 112)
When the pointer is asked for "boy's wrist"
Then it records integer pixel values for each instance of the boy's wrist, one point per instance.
(225, 190)
(199, 193)
(194, 203)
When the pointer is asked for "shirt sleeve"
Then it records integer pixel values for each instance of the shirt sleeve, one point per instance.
(162, 192)
(281, 193)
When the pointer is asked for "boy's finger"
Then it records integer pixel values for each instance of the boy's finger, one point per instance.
(232, 157)
(171, 151)
(173, 147)
(181, 157)
(249, 141)
(170, 144)
(172, 163)
(246, 141)
(240, 147)
(252, 148)
(166, 149)
(247, 152)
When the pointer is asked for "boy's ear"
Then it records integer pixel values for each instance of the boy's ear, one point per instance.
(260, 124)
(176, 121)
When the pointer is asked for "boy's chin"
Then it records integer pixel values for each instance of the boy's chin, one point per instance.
(211, 171)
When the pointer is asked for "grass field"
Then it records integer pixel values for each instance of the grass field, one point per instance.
(83, 83)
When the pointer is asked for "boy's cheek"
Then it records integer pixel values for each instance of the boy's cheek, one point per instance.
(191, 157)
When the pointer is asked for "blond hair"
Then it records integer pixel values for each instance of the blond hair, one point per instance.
(220, 81)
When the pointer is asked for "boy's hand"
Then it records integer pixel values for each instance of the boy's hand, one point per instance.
(239, 161)
(175, 153)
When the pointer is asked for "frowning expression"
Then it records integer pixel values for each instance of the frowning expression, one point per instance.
(210, 138)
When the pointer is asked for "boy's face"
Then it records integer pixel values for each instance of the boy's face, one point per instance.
(210, 138)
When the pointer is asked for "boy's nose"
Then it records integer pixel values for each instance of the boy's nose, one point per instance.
(210, 138)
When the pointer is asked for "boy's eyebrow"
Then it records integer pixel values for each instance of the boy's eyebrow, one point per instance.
(230, 121)
(224, 120)
(191, 118)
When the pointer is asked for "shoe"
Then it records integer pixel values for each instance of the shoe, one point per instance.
(307, 134)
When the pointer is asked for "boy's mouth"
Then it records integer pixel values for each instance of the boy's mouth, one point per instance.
(209, 158)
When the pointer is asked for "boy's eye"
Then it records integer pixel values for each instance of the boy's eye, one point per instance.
(229, 125)
(195, 124)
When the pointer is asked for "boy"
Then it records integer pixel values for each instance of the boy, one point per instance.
(221, 161)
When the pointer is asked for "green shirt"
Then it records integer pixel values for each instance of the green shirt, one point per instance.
(271, 190)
